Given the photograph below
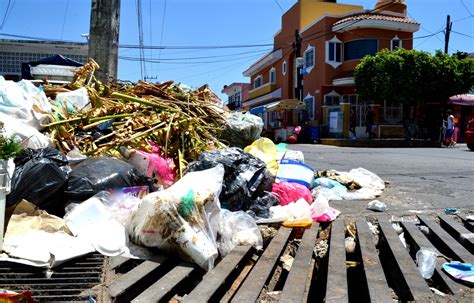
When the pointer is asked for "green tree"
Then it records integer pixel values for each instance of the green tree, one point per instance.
(413, 77)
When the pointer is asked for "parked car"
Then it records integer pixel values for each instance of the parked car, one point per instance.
(469, 135)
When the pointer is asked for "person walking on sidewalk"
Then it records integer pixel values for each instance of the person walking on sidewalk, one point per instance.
(450, 129)
(352, 123)
(370, 123)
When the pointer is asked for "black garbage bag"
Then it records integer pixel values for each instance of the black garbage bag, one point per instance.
(97, 174)
(246, 177)
(261, 206)
(39, 174)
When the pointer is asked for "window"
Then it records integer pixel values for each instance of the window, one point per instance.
(332, 99)
(237, 97)
(357, 49)
(352, 99)
(309, 59)
(334, 52)
(395, 43)
(283, 68)
(257, 82)
(309, 102)
(272, 75)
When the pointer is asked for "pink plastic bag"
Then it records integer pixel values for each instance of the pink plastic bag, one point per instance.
(154, 166)
(287, 192)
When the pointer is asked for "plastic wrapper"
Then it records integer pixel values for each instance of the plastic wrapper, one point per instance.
(93, 175)
(153, 165)
(322, 212)
(184, 218)
(242, 129)
(246, 178)
(265, 150)
(38, 175)
(294, 211)
(237, 228)
(297, 172)
(287, 192)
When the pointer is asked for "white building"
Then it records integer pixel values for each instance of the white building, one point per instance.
(15, 52)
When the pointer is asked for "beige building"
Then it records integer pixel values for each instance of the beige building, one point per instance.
(15, 52)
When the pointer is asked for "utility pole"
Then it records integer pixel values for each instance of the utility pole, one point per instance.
(299, 74)
(104, 37)
(449, 25)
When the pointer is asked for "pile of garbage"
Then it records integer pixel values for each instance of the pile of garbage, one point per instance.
(129, 169)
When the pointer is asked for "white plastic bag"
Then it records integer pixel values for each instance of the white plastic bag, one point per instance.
(79, 98)
(367, 179)
(182, 218)
(237, 228)
(294, 211)
(17, 100)
(29, 135)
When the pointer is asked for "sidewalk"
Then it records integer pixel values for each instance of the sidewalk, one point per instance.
(378, 142)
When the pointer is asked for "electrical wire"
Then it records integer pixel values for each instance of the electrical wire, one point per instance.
(140, 37)
(4, 20)
(465, 35)
(64, 20)
(162, 33)
(465, 6)
(151, 33)
(281, 9)
(210, 57)
(182, 62)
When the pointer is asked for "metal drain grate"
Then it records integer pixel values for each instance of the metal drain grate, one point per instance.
(70, 282)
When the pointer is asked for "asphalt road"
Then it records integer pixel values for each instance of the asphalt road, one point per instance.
(421, 179)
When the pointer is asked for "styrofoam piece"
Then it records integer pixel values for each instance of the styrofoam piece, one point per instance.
(91, 220)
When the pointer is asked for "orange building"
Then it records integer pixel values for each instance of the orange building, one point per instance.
(313, 59)
(237, 93)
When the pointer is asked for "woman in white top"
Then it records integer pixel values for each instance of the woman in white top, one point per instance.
(450, 129)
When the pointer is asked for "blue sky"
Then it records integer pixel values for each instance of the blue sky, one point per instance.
(211, 22)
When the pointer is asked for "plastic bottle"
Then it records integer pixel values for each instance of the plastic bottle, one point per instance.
(426, 261)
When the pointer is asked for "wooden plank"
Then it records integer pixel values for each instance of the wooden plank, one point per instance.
(163, 286)
(216, 277)
(421, 241)
(337, 287)
(454, 247)
(458, 231)
(117, 261)
(468, 223)
(253, 284)
(132, 277)
(297, 280)
(379, 290)
(415, 282)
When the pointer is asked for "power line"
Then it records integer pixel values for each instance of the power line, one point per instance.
(6, 14)
(209, 57)
(465, 6)
(193, 62)
(465, 35)
(277, 3)
(162, 33)
(151, 33)
(140, 37)
(64, 20)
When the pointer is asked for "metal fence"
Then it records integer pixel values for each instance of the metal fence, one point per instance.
(391, 115)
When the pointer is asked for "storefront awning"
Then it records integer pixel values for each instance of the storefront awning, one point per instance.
(288, 104)
(257, 110)
(465, 99)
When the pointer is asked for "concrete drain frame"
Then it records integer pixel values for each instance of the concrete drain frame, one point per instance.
(288, 269)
